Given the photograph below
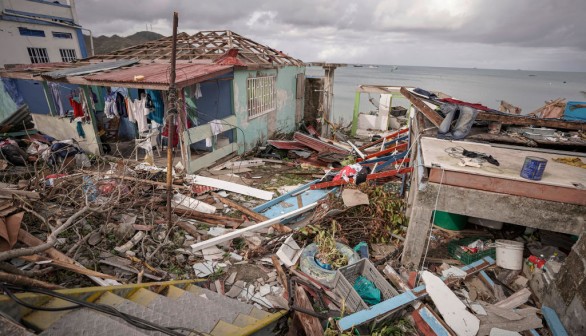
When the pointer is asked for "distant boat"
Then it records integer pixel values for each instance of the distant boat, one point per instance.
(372, 67)
(358, 65)
(394, 67)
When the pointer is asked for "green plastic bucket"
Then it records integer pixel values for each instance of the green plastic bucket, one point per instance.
(450, 221)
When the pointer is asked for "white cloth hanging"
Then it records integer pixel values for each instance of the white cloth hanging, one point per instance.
(57, 98)
(216, 128)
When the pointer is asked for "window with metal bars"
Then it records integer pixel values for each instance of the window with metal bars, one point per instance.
(38, 55)
(68, 55)
(261, 95)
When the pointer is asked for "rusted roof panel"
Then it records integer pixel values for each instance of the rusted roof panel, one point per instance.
(186, 74)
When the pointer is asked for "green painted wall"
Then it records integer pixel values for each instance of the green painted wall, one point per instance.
(280, 120)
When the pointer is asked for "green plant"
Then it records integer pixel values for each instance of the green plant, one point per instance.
(327, 252)
(394, 328)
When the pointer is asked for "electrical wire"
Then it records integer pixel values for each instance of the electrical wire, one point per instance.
(132, 320)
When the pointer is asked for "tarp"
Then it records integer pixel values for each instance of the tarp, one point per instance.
(575, 111)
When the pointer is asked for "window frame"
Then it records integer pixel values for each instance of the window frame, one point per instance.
(261, 95)
(68, 55)
(38, 55)
(62, 35)
(24, 31)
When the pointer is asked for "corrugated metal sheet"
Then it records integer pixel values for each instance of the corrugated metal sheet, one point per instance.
(86, 69)
(186, 74)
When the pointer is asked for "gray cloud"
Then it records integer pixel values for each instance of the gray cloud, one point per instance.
(528, 34)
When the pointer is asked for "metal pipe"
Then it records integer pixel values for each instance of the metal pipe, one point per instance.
(91, 41)
(171, 121)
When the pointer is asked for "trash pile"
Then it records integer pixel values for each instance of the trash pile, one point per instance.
(312, 226)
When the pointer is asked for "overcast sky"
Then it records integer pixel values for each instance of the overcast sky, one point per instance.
(495, 34)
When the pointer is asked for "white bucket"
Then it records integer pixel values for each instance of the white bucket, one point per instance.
(509, 254)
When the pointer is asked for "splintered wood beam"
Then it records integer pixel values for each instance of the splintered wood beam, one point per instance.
(427, 111)
(256, 216)
(528, 121)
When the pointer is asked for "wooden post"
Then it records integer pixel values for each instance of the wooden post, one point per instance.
(171, 121)
(356, 113)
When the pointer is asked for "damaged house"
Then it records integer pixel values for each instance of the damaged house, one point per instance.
(233, 93)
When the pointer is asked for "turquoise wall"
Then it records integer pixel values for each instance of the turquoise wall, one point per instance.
(280, 120)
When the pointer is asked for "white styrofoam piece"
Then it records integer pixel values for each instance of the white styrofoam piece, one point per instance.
(450, 307)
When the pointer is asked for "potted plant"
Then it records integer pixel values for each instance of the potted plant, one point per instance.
(328, 255)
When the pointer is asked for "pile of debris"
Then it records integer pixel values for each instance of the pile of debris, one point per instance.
(326, 248)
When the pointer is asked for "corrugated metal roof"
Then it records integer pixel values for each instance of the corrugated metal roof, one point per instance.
(86, 69)
(186, 74)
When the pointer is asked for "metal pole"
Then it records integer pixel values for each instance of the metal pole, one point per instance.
(171, 122)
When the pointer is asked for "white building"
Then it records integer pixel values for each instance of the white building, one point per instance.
(38, 31)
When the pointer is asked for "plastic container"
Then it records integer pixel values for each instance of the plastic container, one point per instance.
(346, 276)
(466, 257)
(450, 221)
(533, 168)
(309, 266)
(509, 254)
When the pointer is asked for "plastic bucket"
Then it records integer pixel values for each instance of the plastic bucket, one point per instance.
(533, 168)
(509, 254)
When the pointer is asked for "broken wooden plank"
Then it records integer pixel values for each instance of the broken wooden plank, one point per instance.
(243, 164)
(130, 269)
(507, 119)
(392, 135)
(229, 186)
(207, 218)
(240, 232)
(403, 299)
(66, 265)
(281, 275)
(229, 171)
(553, 321)
(33, 195)
(309, 323)
(187, 227)
(454, 312)
(515, 300)
(255, 215)
(428, 323)
(529, 321)
(30, 240)
(427, 111)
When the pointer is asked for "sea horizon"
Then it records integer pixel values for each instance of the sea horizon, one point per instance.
(527, 89)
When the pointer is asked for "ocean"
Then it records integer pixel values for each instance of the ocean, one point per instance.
(526, 89)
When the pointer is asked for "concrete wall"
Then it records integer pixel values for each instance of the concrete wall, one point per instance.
(14, 45)
(62, 129)
(281, 120)
(47, 16)
(60, 9)
(567, 294)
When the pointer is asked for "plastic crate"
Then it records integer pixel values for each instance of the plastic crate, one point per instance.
(466, 257)
(346, 276)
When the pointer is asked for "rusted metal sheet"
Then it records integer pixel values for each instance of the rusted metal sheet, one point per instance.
(187, 74)
(87, 69)
(317, 144)
(288, 145)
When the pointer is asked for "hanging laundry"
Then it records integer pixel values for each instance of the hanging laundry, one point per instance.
(137, 113)
(56, 94)
(79, 127)
(216, 128)
(158, 110)
(198, 91)
(110, 108)
(121, 105)
(77, 107)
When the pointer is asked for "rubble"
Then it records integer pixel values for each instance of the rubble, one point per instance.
(340, 215)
